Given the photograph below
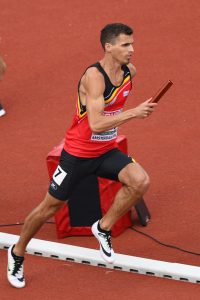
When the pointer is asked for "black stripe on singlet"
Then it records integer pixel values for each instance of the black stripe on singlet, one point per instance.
(109, 87)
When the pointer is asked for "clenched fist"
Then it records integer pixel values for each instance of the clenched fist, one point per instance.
(144, 109)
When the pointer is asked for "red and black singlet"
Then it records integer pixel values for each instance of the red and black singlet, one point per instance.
(80, 140)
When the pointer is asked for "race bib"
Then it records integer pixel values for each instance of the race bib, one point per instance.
(105, 136)
(59, 175)
(109, 134)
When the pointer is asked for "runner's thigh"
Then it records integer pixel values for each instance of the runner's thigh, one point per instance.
(114, 161)
(70, 171)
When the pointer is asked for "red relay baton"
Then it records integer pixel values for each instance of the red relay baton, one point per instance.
(161, 91)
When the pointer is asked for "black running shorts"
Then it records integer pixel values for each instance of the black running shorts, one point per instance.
(72, 169)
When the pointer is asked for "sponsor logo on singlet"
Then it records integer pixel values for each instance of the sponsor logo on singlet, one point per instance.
(125, 93)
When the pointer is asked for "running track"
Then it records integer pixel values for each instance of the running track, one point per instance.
(47, 45)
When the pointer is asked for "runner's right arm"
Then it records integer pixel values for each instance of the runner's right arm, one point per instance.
(94, 85)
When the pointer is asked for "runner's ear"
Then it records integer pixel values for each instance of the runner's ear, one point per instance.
(108, 47)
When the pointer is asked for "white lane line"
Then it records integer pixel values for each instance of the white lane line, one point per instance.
(181, 272)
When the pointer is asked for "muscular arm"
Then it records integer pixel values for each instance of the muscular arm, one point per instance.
(94, 85)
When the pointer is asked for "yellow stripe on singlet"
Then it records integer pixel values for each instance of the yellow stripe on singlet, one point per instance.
(126, 79)
(80, 114)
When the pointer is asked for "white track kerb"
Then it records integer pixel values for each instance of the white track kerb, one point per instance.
(92, 257)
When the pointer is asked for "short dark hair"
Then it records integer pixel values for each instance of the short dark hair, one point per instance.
(111, 31)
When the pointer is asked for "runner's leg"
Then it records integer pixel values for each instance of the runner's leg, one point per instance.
(135, 183)
(46, 209)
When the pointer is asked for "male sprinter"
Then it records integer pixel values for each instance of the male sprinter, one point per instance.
(90, 147)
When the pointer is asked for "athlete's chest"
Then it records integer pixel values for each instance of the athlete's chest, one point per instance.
(116, 80)
(116, 96)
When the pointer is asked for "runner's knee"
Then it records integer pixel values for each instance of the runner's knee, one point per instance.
(53, 208)
(144, 183)
(139, 185)
(49, 206)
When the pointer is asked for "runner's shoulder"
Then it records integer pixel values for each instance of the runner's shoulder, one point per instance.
(94, 74)
(132, 69)
(93, 78)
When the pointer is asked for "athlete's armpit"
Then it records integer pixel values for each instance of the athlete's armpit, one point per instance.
(95, 86)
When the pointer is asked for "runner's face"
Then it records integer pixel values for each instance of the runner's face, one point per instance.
(122, 48)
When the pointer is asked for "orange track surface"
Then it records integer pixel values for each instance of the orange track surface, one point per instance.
(47, 45)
